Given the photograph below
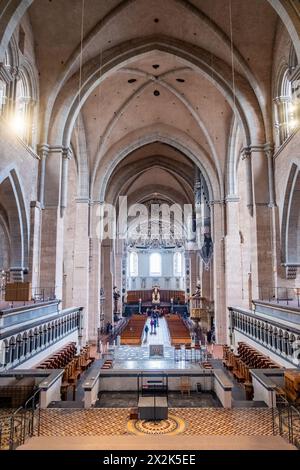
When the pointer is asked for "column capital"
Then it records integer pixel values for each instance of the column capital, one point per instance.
(15, 72)
(5, 73)
(246, 153)
(269, 149)
(43, 150)
(83, 200)
(36, 204)
(231, 198)
(216, 202)
(281, 99)
(258, 148)
(66, 153)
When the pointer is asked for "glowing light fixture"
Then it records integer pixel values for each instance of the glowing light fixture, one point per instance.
(18, 124)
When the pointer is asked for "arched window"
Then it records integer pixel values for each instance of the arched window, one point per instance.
(133, 264)
(5, 81)
(289, 114)
(23, 121)
(177, 264)
(19, 121)
(291, 221)
(287, 100)
(155, 264)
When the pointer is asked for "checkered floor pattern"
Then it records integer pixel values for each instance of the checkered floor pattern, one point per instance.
(204, 421)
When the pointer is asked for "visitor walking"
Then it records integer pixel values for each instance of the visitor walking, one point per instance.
(152, 325)
(146, 333)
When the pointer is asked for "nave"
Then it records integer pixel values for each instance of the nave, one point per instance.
(150, 170)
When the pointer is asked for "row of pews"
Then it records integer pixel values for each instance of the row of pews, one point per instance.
(255, 359)
(133, 332)
(74, 369)
(72, 363)
(241, 363)
(60, 358)
(179, 332)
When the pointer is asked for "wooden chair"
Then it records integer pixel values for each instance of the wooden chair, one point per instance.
(185, 385)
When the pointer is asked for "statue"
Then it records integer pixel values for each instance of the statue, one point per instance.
(207, 248)
(156, 295)
(197, 292)
(116, 296)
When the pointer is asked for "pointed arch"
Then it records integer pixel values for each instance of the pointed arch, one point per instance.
(290, 228)
(13, 202)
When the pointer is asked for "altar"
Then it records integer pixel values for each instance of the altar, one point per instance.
(153, 408)
(155, 296)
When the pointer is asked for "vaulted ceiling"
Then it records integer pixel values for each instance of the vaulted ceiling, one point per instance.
(154, 74)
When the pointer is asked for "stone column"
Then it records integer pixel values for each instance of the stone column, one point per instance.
(275, 223)
(233, 268)
(187, 264)
(217, 209)
(66, 156)
(107, 278)
(118, 269)
(95, 273)
(269, 151)
(261, 230)
(51, 274)
(246, 155)
(81, 263)
(35, 245)
(43, 151)
(193, 271)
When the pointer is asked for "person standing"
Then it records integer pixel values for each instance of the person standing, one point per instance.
(146, 333)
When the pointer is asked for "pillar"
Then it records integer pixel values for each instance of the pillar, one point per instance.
(51, 274)
(118, 267)
(107, 279)
(246, 155)
(233, 267)
(258, 158)
(35, 245)
(221, 323)
(193, 271)
(81, 263)
(95, 274)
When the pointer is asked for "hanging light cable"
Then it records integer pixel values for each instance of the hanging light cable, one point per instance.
(81, 53)
(232, 58)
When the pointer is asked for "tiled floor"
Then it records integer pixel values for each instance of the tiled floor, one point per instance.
(204, 421)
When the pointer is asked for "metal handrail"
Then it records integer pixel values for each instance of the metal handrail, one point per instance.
(288, 414)
(23, 423)
(280, 294)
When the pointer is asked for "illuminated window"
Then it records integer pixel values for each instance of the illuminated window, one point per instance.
(19, 121)
(287, 100)
(178, 264)
(155, 264)
(133, 264)
(2, 95)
